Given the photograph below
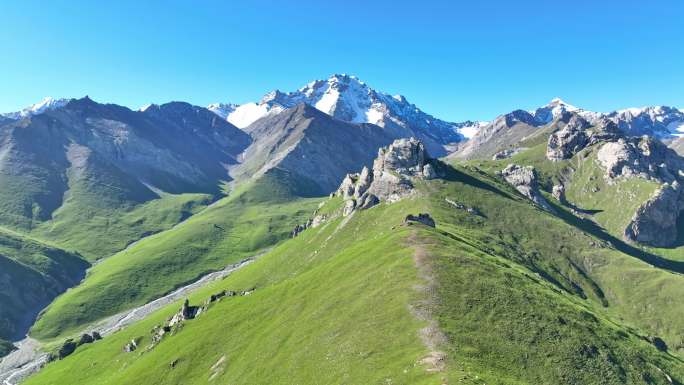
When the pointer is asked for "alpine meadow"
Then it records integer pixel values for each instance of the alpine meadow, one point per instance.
(336, 233)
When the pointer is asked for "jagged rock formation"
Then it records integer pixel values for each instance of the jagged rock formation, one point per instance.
(390, 179)
(642, 157)
(568, 140)
(524, 179)
(186, 312)
(655, 222)
(574, 133)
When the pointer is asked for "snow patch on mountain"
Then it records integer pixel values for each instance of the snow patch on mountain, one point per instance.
(470, 129)
(242, 115)
(44, 105)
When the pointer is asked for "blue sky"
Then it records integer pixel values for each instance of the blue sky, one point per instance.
(456, 60)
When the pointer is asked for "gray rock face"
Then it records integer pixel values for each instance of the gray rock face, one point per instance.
(312, 146)
(503, 132)
(404, 156)
(655, 221)
(643, 157)
(559, 193)
(567, 141)
(524, 179)
(390, 179)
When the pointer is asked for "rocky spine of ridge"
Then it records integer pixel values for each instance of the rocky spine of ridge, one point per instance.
(524, 179)
(391, 177)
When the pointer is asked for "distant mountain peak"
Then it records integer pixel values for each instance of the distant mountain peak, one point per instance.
(560, 102)
(46, 104)
(349, 99)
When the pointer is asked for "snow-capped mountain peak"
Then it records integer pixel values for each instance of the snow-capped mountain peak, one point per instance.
(347, 98)
(659, 121)
(555, 108)
(46, 104)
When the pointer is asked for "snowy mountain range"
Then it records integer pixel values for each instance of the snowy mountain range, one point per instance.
(44, 105)
(349, 99)
(659, 121)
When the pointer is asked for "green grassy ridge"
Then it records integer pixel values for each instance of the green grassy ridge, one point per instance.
(98, 231)
(105, 209)
(637, 293)
(332, 306)
(586, 186)
(32, 273)
(491, 286)
(254, 217)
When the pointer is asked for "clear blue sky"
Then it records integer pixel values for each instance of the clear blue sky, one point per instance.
(456, 60)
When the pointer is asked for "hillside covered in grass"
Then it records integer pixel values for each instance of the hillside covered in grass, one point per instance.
(32, 273)
(251, 219)
(498, 291)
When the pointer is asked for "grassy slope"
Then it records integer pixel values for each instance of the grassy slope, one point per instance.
(333, 306)
(98, 231)
(250, 220)
(541, 332)
(323, 312)
(638, 294)
(31, 274)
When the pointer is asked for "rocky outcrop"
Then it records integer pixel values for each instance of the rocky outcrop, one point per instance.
(316, 221)
(131, 346)
(558, 192)
(567, 141)
(70, 345)
(643, 157)
(524, 179)
(186, 312)
(391, 178)
(461, 206)
(655, 222)
(423, 218)
(507, 153)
